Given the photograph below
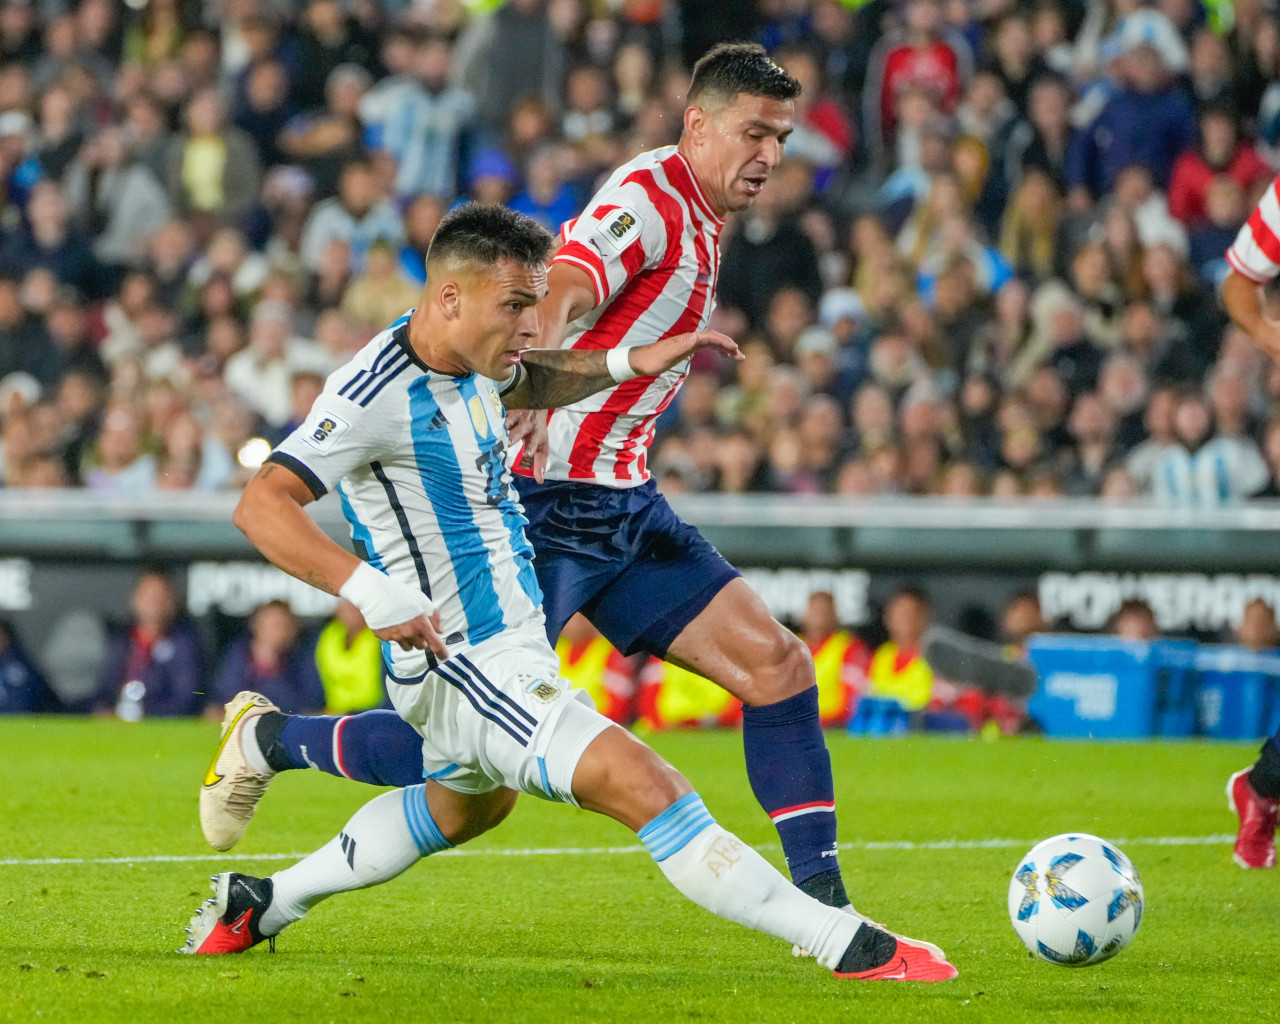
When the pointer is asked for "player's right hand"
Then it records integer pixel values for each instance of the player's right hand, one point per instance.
(395, 612)
(660, 356)
(421, 633)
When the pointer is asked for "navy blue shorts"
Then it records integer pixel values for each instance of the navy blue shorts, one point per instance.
(623, 558)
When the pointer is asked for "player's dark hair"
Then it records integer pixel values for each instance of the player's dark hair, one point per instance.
(483, 233)
(731, 68)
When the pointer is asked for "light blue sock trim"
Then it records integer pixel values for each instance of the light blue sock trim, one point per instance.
(671, 830)
(426, 836)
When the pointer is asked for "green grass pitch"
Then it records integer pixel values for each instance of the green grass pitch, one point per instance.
(601, 937)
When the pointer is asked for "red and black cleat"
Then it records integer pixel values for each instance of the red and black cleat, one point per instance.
(909, 961)
(1256, 840)
(230, 921)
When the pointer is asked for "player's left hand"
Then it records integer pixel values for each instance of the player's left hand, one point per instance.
(659, 356)
(528, 428)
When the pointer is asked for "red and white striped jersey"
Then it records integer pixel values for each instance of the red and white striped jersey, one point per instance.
(649, 242)
(1256, 251)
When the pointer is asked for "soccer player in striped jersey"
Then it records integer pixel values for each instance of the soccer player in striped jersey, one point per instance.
(412, 434)
(1254, 793)
(638, 265)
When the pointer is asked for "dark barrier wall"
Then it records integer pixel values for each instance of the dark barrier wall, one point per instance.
(68, 562)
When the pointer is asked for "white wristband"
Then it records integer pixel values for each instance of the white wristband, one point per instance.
(382, 601)
(618, 361)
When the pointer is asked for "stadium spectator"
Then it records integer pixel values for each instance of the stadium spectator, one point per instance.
(23, 687)
(260, 374)
(671, 697)
(840, 659)
(1134, 620)
(1220, 152)
(212, 170)
(1204, 467)
(330, 37)
(382, 293)
(356, 217)
(107, 278)
(521, 28)
(426, 126)
(272, 659)
(1148, 122)
(323, 139)
(898, 671)
(1257, 630)
(153, 667)
(115, 199)
(924, 55)
(349, 663)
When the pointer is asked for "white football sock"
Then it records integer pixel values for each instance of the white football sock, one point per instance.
(386, 837)
(251, 749)
(720, 872)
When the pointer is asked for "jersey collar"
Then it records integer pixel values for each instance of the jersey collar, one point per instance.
(401, 337)
(703, 202)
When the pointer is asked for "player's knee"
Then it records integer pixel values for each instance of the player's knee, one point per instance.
(488, 814)
(623, 778)
(783, 669)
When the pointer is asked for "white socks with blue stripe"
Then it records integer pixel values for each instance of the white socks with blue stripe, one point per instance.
(720, 872)
(386, 837)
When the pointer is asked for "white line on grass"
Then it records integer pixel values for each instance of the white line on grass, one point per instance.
(592, 851)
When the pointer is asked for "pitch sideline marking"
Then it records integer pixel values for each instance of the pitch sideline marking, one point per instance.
(591, 851)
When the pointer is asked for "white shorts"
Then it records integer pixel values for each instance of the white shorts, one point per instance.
(498, 714)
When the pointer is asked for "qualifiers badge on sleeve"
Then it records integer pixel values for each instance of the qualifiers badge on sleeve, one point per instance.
(620, 228)
(323, 430)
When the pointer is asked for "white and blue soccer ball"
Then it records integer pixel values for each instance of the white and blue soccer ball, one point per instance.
(1075, 900)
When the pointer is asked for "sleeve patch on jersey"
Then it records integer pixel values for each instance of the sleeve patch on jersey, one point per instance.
(620, 228)
(323, 430)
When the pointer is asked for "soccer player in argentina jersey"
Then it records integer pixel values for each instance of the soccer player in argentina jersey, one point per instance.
(638, 265)
(412, 434)
(1254, 793)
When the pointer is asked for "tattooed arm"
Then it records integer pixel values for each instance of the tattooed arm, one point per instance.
(551, 378)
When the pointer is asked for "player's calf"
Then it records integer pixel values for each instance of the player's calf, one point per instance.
(624, 779)
(386, 837)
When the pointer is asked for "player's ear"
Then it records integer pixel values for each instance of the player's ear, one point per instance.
(695, 122)
(449, 298)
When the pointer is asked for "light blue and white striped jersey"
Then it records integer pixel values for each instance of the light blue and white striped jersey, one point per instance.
(420, 462)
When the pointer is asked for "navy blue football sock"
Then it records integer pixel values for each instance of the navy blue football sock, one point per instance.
(375, 746)
(790, 773)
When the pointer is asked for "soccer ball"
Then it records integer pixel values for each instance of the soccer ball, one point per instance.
(1075, 900)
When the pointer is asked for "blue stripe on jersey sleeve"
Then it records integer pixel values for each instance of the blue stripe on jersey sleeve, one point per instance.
(511, 518)
(360, 534)
(442, 479)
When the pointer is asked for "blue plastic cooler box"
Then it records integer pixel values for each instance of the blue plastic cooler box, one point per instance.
(1239, 692)
(1109, 688)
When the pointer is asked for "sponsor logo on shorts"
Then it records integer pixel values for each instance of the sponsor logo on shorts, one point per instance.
(323, 430)
(620, 228)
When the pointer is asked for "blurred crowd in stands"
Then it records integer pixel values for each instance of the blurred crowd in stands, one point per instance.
(987, 266)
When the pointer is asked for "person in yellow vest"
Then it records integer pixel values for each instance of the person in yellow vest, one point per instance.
(349, 660)
(839, 659)
(676, 698)
(589, 662)
(898, 669)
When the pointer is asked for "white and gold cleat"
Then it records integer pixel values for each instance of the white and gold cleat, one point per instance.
(232, 787)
